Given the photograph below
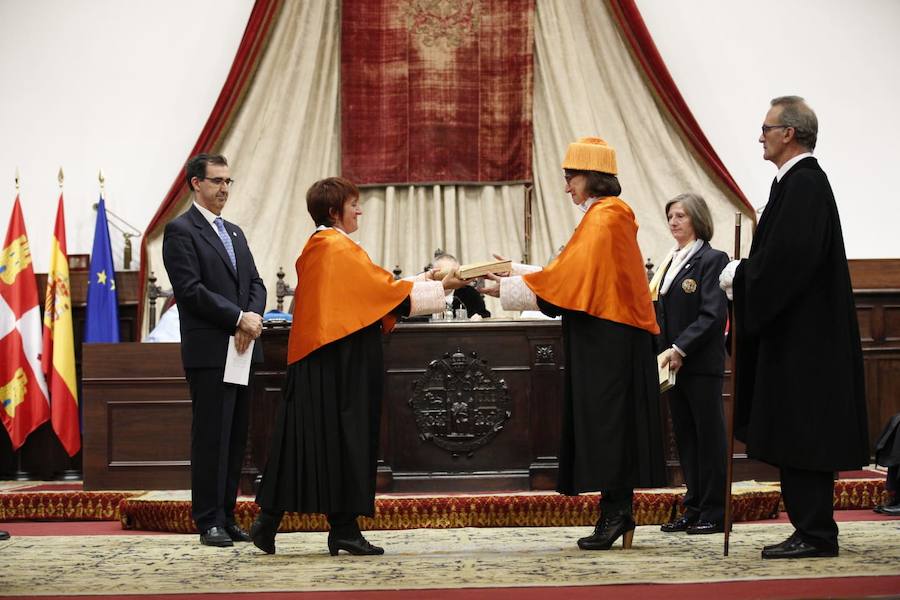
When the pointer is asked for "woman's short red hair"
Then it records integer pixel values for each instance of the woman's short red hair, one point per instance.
(327, 194)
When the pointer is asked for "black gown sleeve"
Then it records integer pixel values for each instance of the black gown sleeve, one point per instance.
(551, 310)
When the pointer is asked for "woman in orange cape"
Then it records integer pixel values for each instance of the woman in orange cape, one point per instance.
(611, 438)
(325, 437)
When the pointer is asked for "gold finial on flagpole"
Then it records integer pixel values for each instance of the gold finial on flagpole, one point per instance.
(17, 180)
(102, 180)
(60, 177)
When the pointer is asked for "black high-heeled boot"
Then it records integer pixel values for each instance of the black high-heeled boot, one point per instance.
(357, 546)
(608, 530)
(264, 529)
(345, 535)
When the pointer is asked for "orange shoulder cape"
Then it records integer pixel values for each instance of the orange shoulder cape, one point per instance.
(339, 291)
(601, 271)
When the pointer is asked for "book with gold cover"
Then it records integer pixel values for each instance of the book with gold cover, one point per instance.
(480, 269)
(666, 375)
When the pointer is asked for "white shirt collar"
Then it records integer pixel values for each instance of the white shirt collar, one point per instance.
(324, 227)
(584, 206)
(209, 215)
(787, 166)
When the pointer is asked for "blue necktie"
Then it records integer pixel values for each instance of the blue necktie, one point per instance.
(226, 240)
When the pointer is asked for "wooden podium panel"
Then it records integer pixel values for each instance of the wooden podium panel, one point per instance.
(137, 417)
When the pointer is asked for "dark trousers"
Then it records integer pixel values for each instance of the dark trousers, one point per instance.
(218, 438)
(698, 420)
(892, 483)
(808, 499)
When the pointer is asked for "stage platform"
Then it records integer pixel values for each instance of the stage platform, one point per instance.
(170, 511)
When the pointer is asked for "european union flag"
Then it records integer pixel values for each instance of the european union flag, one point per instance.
(102, 318)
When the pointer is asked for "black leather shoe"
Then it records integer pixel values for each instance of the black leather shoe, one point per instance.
(4, 535)
(236, 533)
(791, 539)
(608, 531)
(216, 536)
(358, 546)
(704, 527)
(263, 533)
(679, 524)
(799, 549)
(891, 510)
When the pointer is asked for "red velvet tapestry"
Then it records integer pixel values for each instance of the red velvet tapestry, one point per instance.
(436, 91)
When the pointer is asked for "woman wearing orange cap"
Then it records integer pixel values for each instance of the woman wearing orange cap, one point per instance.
(611, 438)
(325, 437)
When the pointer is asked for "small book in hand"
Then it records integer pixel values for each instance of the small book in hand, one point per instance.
(480, 269)
(666, 375)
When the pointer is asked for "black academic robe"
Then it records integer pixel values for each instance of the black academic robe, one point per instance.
(801, 397)
(611, 436)
(325, 437)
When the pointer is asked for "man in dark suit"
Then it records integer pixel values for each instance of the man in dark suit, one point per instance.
(219, 295)
(800, 401)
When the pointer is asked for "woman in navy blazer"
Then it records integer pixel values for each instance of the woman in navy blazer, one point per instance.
(691, 310)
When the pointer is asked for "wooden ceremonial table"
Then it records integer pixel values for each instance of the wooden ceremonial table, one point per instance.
(467, 406)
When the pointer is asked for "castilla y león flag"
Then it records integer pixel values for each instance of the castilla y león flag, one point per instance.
(58, 361)
(23, 391)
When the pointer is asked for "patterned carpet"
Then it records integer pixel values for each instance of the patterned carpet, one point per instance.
(424, 558)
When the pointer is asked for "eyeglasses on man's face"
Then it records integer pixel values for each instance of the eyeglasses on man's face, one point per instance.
(218, 181)
(767, 128)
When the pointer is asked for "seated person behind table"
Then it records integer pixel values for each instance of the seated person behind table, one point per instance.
(466, 297)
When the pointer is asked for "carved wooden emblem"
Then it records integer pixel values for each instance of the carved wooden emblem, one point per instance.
(459, 404)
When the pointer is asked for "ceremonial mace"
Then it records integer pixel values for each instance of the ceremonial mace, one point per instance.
(729, 467)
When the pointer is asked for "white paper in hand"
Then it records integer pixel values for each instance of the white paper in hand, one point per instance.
(237, 366)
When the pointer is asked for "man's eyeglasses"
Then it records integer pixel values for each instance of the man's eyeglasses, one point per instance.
(219, 180)
(767, 128)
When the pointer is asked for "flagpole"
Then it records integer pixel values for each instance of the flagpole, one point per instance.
(21, 474)
(729, 466)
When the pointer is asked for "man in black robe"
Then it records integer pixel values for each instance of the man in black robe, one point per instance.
(800, 402)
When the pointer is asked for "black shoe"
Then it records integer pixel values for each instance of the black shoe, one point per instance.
(791, 539)
(358, 546)
(236, 533)
(4, 535)
(263, 533)
(891, 510)
(679, 524)
(799, 549)
(216, 536)
(608, 531)
(704, 527)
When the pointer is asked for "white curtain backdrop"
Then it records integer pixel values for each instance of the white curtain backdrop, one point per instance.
(287, 135)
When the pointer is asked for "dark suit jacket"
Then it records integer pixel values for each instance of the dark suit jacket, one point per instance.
(468, 297)
(210, 295)
(695, 320)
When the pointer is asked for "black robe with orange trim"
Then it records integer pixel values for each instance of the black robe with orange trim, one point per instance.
(325, 437)
(611, 434)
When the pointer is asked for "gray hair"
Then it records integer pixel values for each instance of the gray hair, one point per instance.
(796, 113)
(697, 210)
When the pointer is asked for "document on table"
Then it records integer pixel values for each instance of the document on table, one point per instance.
(237, 366)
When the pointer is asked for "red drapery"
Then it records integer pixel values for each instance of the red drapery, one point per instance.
(644, 50)
(436, 92)
(246, 60)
